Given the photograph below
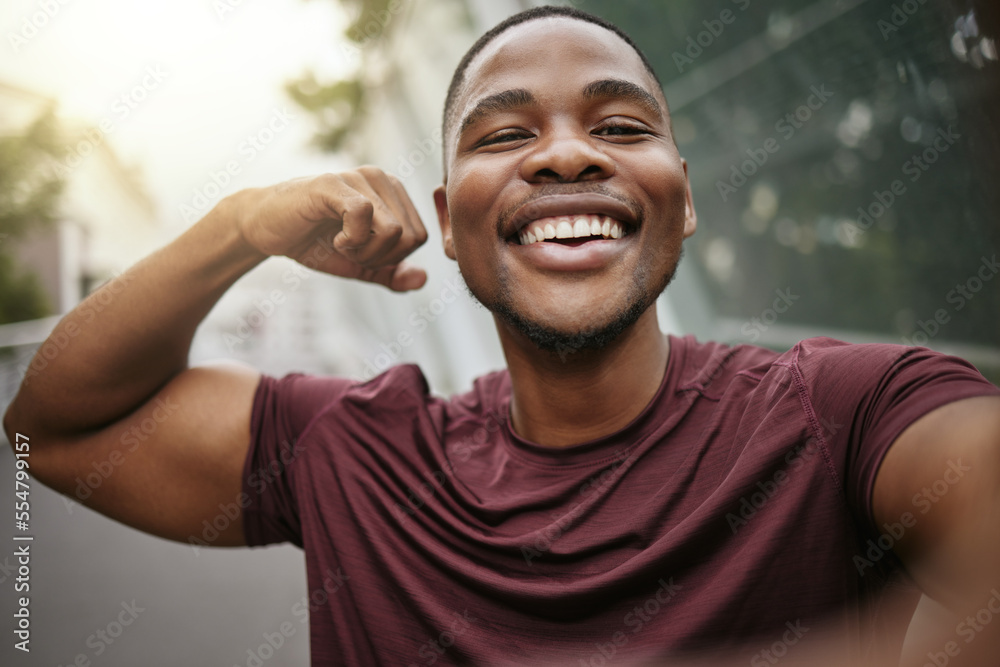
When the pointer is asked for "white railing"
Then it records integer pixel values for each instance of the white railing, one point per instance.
(18, 342)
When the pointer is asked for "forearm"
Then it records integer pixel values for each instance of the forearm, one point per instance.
(132, 335)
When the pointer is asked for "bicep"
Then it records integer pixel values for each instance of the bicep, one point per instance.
(173, 464)
(943, 474)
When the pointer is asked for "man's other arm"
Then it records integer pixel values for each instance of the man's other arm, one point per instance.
(167, 443)
(944, 470)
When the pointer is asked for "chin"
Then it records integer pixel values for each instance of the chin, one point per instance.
(597, 333)
(594, 331)
(562, 341)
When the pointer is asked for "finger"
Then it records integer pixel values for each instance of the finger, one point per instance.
(401, 277)
(408, 277)
(391, 192)
(397, 224)
(384, 230)
(357, 215)
(321, 257)
(414, 233)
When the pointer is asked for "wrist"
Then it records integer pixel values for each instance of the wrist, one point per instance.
(221, 232)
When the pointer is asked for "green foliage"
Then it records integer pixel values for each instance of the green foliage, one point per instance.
(337, 107)
(21, 295)
(29, 197)
(365, 10)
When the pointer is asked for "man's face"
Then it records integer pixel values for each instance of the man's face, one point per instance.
(562, 130)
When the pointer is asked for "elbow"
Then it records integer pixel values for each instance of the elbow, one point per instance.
(16, 419)
(8, 424)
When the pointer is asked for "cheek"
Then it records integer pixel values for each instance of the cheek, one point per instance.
(472, 197)
(666, 187)
(470, 190)
(469, 227)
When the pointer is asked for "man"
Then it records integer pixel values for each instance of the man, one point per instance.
(615, 494)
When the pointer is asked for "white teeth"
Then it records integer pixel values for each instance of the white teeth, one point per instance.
(570, 227)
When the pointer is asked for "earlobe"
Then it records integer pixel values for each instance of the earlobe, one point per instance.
(444, 219)
(690, 217)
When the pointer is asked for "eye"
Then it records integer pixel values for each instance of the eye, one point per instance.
(619, 129)
(502, 137)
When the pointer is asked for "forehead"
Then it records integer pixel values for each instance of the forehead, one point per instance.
(548, 49)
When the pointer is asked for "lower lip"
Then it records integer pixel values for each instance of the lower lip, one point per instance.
(587, 256)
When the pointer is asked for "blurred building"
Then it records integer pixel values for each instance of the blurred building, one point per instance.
(106, 219)
(327, 325)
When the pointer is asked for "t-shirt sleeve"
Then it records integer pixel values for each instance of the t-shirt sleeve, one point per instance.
(283, 409)
(865, 396)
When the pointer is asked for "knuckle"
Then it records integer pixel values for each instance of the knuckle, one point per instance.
(361, 205)
(370, 172)
(393, 229)
(328, 180)
(352, 178)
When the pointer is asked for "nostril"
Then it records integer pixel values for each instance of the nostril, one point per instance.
(587, 173)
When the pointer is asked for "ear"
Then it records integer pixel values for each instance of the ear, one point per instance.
(441, 204)
(690, 217)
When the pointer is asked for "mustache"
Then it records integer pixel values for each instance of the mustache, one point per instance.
(504, 217)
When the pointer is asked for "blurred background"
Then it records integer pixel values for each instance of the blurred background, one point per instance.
(842, 154)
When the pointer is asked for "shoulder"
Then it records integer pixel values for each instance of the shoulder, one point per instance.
(397, 391)
(711, 368)
(406, 386)
(821, 355)
(829, 353)
(290, 402)
(830, 366)
(822, 366)
(487, 394)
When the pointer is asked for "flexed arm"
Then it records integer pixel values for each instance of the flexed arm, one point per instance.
(119, 395)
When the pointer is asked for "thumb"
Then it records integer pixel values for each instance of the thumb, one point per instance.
(401, 277)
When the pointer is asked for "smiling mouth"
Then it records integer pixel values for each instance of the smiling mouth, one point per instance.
(571, 229)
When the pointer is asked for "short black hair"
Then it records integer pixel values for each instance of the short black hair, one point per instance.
(545, 11)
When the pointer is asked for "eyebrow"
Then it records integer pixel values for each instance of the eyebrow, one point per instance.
(619, 89)
(498, 103)
(610, 89)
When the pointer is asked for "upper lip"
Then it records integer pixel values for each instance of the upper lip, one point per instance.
(550, 206)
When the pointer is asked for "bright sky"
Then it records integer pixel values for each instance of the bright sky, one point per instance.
(198, 82)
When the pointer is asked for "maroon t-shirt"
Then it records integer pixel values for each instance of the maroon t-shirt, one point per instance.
(735, 508)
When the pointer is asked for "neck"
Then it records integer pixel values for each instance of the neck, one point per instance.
(570, 397)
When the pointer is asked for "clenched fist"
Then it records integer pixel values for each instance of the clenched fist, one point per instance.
(364, 214)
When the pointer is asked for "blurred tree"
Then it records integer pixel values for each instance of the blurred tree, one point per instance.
(339, 106)
(29, 197)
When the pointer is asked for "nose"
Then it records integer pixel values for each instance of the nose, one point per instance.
(566, 155)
